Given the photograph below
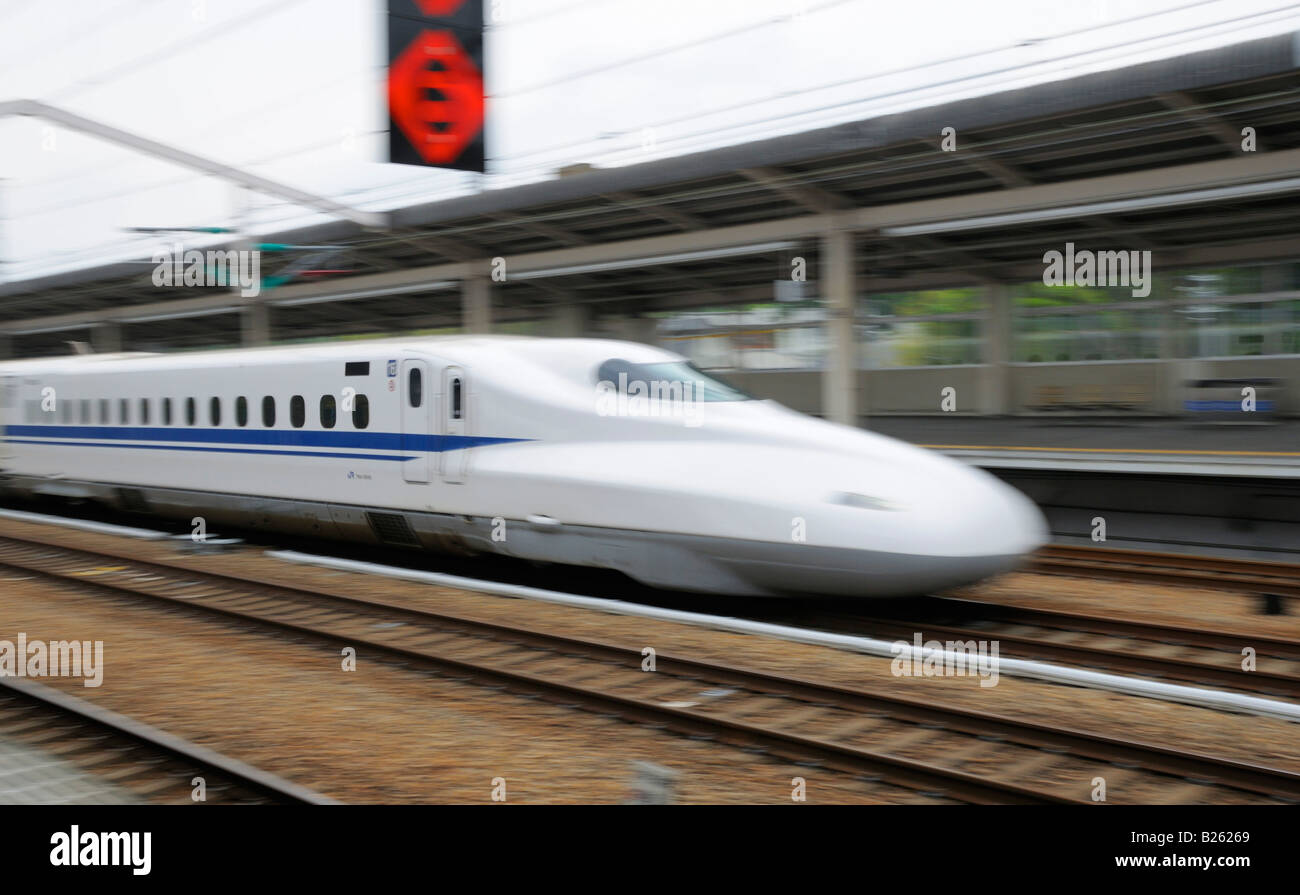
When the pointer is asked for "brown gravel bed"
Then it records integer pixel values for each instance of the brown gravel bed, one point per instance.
(1164, 604)
(1247, 738)
(381, 733)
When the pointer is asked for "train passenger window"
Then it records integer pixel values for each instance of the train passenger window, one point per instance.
(268, 411)
(103, 411)
(144, 411)
(360, 412)
(241, 411)
(415, 387)
(297, 411)
(191, 414)
(167, 411)
(214, 412)
(85, 410)
(455, 399)
(123, 411)
(329, 412)
(66, 413)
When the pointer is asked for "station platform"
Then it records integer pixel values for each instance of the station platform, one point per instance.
(1168, 446)
(31, 776)
(1169, 485)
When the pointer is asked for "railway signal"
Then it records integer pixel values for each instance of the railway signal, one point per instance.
(435, 83)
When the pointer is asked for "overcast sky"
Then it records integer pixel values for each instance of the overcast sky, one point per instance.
(292, 89)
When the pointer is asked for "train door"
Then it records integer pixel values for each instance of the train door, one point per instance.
(10, 409)
(9, 402)
(455, 424)
(417, 418)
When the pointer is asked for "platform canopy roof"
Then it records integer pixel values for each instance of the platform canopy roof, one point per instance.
(1145, 157)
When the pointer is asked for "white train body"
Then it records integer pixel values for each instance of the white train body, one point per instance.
(508, 445)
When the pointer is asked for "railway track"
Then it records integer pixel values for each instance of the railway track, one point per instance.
(1179, 569)
(1172, 652)
(940, 752)
(137, 761)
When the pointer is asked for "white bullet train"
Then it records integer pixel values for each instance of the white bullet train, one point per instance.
(581, 451)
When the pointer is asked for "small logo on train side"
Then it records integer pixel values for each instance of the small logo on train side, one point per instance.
(392, 368)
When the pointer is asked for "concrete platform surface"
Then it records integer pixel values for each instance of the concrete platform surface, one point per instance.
(1174, 446)
(29, 776)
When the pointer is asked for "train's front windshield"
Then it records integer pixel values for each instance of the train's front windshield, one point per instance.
(669, 378)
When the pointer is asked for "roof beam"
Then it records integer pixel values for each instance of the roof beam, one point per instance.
(678, 218)
(979, 158)
(816, 199)
(1242, 169)
(539, 228)
(1245, 168)
(459, 249)
(1207, 121)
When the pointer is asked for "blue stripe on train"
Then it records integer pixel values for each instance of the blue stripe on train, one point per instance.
(218, 450)
(1233, 406)
(379, 441)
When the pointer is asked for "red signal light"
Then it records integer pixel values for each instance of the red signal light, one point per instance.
(435, 93)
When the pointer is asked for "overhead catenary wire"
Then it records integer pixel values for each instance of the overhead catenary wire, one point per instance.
(431, 185)
(185, 44)
(518, 175)
(921, 158)
(906, 69)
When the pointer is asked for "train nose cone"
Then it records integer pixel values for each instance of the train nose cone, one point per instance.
(1015, 525)
(951, 526)
(973, 526)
